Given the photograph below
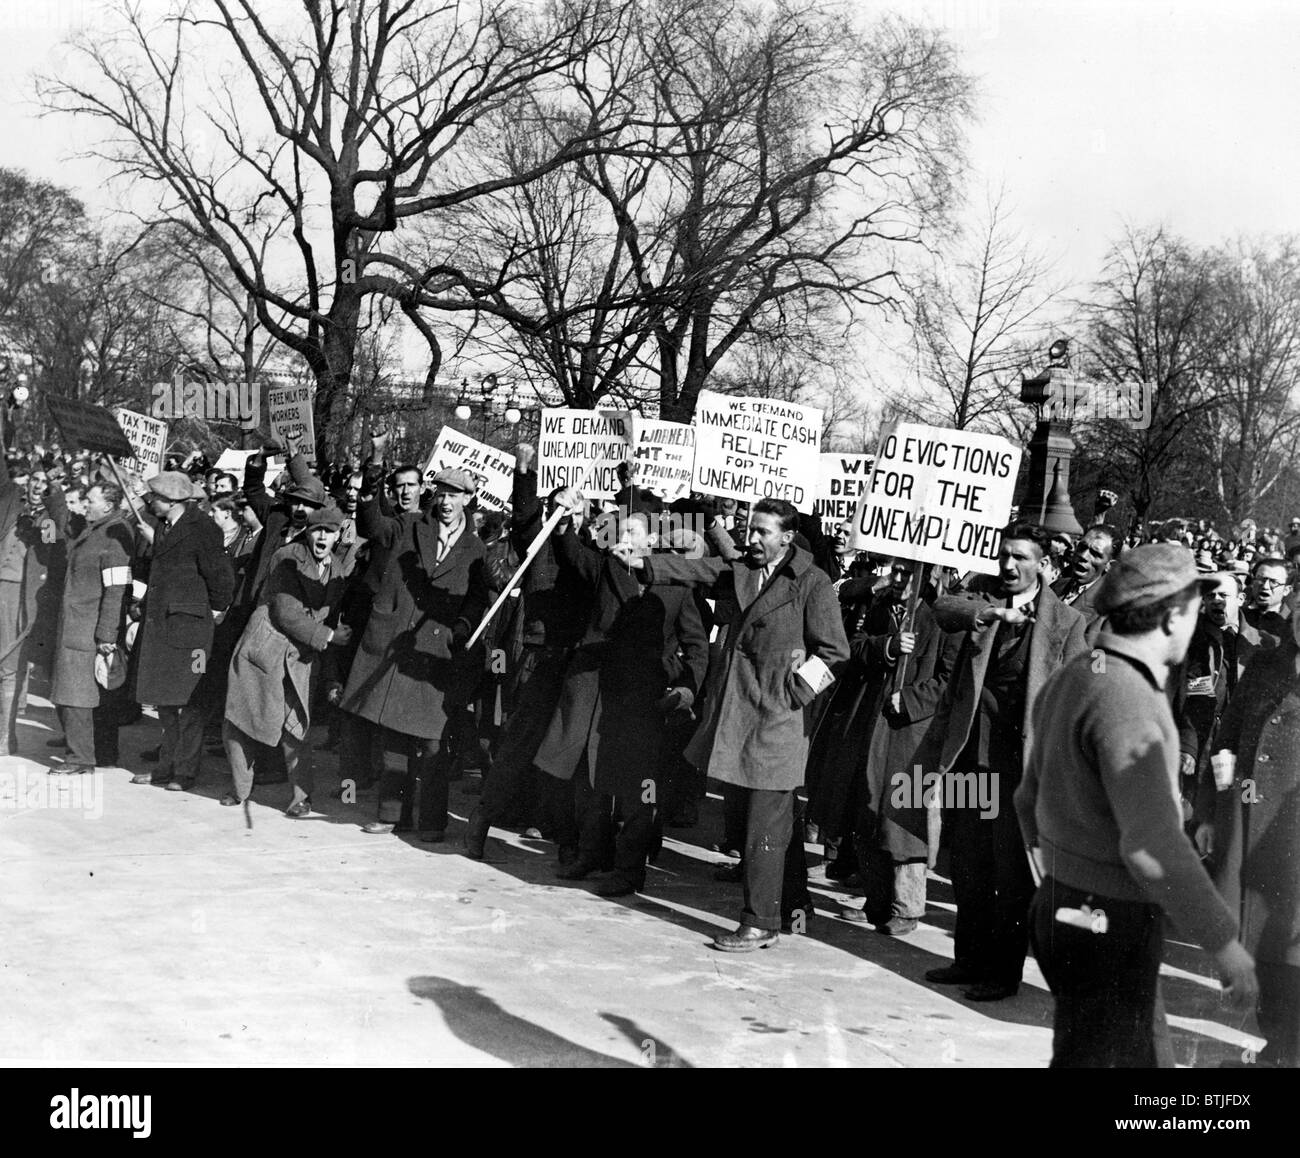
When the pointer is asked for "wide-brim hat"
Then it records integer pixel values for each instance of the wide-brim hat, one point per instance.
(311, 491)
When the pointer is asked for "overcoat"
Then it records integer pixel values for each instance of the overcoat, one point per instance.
(876, 745)
(190, 577)
(95, 585)
(26, 630)
(757, 721)
(1257, 820)
(638, 644)
(275, 664)
(408, 671)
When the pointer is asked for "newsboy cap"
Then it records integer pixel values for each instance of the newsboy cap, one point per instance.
(457, 479)
(173, 485)
(1147, 574)
(329, 516)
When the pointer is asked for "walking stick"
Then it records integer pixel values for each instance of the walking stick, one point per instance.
(533, 547)
(130, 500)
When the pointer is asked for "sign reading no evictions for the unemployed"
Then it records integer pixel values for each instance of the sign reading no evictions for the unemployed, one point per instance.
(938, 496)
(291, 418)
(494, 469)
(583, 448)
(757, 448)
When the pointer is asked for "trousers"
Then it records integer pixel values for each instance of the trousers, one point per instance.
(774, 868)
(992, 886)
(243, 752)
(1105, 983)
(182, 742)
(1278, 1012)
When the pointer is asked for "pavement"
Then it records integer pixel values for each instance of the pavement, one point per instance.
(146, 927)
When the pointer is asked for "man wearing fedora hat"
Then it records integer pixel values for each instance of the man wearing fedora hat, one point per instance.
(91, 617)
(1099, 806)
(190, 581)
(277, 661)
(412, 670)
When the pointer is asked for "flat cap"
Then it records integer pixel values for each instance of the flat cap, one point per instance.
(329, 516)
(1149, 573)
(311, 491)
(456, 479)
(173, 485)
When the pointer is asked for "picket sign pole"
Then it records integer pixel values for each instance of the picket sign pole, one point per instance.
(533, 547)
(125, 489)
(920, 577)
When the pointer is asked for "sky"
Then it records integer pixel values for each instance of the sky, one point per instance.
(1092, 114)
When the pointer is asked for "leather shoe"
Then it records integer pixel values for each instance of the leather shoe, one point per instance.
(579, 870)
(855, 915)
(476, 834)
(179, 785)
(899, 926)
(745, 940)
(142, 778)
(990, 991)
(731, 874)
(298, 809)
(229, 800)
(953, 975)
(377, 828)
(618, 886)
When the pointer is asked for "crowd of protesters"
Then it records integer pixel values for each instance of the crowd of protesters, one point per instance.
(1139, 698)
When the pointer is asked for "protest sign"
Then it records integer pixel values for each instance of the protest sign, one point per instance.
(583, 448)
(494, 469)
(938, 496)
(842, 480)
(88, 427)
(291, 418)
(148, 436)
(234, 461)
(757, 448)
(663, 457)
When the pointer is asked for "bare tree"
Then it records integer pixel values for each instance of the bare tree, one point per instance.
(36, 220)
(779, 158)
(977, 315)
(307, 136)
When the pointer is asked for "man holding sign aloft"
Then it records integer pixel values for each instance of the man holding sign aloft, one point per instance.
(782, 642)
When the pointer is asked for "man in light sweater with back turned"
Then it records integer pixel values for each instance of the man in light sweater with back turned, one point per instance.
(1099, 807)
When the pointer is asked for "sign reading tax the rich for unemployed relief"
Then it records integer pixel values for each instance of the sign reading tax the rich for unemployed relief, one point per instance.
(494, 469)
(757, 448)
(148, 437)
(938, 496)
(583, 448)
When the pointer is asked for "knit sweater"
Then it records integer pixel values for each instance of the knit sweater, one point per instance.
(1100, 792)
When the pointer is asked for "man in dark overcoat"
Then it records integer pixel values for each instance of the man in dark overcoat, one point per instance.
(890, 721)
(191, 580)
(95, 586)
(1254, 839)
(412, 669)
(1017, 633)
(642, 657)
(277, 661)
(778, 614)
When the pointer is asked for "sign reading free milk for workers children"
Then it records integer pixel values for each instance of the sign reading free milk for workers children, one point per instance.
(757, 448)
(938, 496)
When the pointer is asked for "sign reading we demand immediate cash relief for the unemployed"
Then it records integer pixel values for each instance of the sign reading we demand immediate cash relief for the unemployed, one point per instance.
(938, 496)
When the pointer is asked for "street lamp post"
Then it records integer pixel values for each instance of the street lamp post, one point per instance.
(1046, 500)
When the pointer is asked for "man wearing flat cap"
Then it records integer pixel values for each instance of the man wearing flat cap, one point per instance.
(190, 581)
(412, 670)
(278, 660)
(1099, 805)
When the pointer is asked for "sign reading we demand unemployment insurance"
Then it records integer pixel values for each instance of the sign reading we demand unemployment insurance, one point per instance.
(938, 496)
(757, 448)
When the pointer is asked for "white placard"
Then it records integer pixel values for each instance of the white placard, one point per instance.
(234, 461)
(663, 457)
(757, 448)
(938, 496)
(149, 438)
(290, 416)
(583, 448)
(842, 480)
(494, 469)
